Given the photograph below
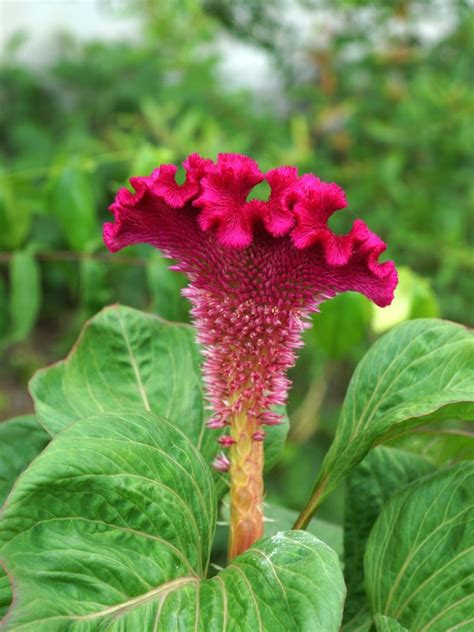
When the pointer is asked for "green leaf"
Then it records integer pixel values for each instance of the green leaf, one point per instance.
(73, 203)
(387, 624)
(382, 473)
(419, 372)
(441, 447)
(420, 553)
(25, 294)
(140, 510)
(21, 440)
(128, 549)
(291, 581)
(125, 358)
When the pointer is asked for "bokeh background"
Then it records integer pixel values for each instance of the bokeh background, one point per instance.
(377, 96)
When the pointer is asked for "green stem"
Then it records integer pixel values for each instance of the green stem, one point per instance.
(318, 495)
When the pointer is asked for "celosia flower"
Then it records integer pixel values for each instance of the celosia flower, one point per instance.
(256, 270)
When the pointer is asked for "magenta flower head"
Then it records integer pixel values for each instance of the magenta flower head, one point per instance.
(256, 270)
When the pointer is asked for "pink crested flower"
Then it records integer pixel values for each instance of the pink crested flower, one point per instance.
(256, 269)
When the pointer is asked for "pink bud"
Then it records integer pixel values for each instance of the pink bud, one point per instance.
(226, 441)
(221, 463)
(215, 423)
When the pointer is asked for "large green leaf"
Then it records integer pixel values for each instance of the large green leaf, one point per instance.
(21, 439)
(110, 529)
(419, 372)
(441, 447)
(420, 554)
(115, 505)
(382, 473)
(291, 581)
(125, 358)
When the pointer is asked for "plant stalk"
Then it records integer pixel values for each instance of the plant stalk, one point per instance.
(246, 485)
(318, 495)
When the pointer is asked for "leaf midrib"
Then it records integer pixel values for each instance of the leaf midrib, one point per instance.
(148, 536)
(133, 362)
(163, 590)
(363, 412)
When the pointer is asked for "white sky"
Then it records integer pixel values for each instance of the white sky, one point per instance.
(248, 66)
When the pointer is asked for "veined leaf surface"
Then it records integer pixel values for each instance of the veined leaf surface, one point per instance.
(110, 529)
(420, 554)
(419, 372)
(21, 440)
(382, 473)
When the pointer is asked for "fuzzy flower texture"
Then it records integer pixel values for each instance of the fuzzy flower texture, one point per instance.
(256, 269)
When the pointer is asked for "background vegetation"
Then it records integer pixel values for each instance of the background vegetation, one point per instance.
(369, 103)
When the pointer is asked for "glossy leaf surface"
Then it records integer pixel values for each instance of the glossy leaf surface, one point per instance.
(380, 475)
(441, 447)
(21, 440)
(420, 553)
(419, 372)
(110, 529)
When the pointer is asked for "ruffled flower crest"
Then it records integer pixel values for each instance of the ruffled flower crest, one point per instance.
(257, 269)
(223, 200)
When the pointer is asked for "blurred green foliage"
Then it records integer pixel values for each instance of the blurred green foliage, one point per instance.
(368, 103)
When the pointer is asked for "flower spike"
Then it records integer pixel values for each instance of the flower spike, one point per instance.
(257, 270)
